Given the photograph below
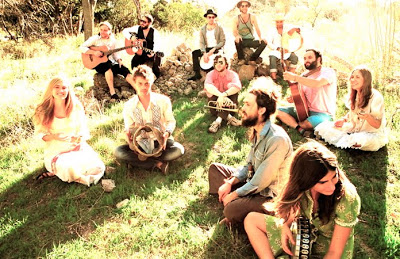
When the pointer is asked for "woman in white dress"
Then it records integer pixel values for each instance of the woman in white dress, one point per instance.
(363, 127)
(60, 121)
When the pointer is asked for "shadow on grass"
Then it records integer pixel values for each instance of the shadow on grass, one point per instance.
(367, 171)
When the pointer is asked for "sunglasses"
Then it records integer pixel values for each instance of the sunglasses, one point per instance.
(211, 17)
(244, 5)
(143, 21)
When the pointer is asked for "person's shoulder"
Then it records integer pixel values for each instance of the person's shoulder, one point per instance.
(160, 97)
(278, 132)
(376, 93)
(327, 70)
(350, 193)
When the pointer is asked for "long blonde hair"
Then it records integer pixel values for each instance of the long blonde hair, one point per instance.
(44, 112)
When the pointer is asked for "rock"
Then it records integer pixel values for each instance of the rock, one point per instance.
(262, 70)
(246, 72)
(108, 185)
(122, 203)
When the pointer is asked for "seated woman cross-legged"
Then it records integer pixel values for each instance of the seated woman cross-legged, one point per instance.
(363, 127)
(60, 122)
(317, 192)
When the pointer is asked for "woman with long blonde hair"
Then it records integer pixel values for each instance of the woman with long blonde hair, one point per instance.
(363, 127)
(318, 191)
(60, 122)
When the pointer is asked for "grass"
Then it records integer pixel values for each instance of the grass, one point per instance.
(166, 216)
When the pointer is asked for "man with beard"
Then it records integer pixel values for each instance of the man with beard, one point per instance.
(285, 32)
(150, 38)
(243, 29)
(222, 85)
(319, 87)
(247, 188)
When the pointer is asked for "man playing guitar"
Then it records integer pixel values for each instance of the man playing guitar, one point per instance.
(144, 34)
(113, 65)
(212, 38)
(319, 87)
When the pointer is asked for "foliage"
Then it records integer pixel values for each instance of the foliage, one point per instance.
(178, 16)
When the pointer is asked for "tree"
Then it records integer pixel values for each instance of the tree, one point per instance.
(88, 16)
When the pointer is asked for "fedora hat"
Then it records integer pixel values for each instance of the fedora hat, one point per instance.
(210, 11)
(147, 17)
(240, 3)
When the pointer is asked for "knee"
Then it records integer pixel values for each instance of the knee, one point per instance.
(120, 152)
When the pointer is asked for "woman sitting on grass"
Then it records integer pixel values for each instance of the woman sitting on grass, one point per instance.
(60, 121)
(319, 191)
(363, 127)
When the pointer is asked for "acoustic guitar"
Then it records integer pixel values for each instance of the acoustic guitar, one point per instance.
(91, 61)
(137, 49)
(299, 99)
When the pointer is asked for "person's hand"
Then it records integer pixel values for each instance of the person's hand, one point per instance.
(128, 136)
(206, 57)
(289, 99)
(238, 38)
(362, 115)
(289, 76)
(76, 139)
(265, 41)
(339, 123)
(98, 53)
(230, 197)
(119, 62)
(151, 55)
(165, 138)
(224, 190)
(224, 101)
(285, 51)
(286, 235)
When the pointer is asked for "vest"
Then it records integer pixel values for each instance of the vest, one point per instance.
(149, 39)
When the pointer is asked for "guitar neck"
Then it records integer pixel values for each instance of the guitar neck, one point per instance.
(119, 49)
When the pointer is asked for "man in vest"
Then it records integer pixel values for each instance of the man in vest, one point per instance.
(243, 30)
(151, 40)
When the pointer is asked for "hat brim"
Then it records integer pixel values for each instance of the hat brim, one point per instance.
(205, 15)
(240, 3)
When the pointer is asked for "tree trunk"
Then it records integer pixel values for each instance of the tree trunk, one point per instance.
(138, 9)
(88, 17)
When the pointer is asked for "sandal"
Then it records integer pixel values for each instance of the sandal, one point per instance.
(214, 127)
(44, 175)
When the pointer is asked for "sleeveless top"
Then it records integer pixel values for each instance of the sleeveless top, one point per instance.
(245, 29)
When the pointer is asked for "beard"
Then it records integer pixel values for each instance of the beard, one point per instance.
(311, 66)
(250, 121)
(145, 27)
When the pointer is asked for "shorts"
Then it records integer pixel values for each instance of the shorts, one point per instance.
(315, 118)
(103, 67)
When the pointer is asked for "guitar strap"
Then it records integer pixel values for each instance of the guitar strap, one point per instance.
(241, 19)
(312, 72)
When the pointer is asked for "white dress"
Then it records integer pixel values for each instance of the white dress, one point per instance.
(358, 131)
(65, 159)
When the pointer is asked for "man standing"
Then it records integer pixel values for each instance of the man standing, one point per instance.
(279, 35)
(243, 30)
(212, 38)
(222, 86)
(148, 108)
(148, 36)
(113, 65)
(319, 87)
(247, 188)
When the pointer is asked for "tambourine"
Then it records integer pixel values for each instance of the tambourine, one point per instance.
(304, 238)
(141, 134)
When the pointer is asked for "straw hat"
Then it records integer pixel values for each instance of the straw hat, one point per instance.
(279, 17)
(240, 3)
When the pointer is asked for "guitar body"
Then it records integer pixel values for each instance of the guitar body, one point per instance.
(299, 101)
(133, 50)
(91, 61)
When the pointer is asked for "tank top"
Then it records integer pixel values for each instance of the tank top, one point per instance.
(245, 29)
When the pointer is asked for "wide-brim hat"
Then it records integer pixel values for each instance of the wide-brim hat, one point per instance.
(210, 11)
(240, 3)
(106, 24)
(147, 17)
(279, 17)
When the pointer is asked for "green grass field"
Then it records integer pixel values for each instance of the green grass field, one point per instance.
(166, 216)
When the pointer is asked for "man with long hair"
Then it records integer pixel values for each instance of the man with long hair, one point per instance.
(245, 189)
(150, 38)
